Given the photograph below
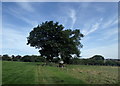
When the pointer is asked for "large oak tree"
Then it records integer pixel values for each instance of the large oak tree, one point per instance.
(53, 41)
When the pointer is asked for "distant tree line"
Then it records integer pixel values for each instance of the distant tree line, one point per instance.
(26, 58)
(95, 60)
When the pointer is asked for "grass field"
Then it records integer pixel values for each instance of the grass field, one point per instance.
(33, 73)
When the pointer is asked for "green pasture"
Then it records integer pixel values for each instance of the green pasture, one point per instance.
(34, 73)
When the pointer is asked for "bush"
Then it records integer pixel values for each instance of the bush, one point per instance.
(6, 58)
(32, 58)
(97, 57)
(16, 58)
(110, 62)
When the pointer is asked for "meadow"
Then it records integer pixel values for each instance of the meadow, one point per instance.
(34, 73)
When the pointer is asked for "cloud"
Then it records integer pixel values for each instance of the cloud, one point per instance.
(22, 16)
(16, 41)
(94, 28)
(72, 15)
(26, 6)
(91, 28)
(110, 51)
(109, 34)
(115, 22)
(111, 22)
(109, 29)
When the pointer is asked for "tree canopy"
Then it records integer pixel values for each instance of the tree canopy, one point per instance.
(53, 41)
(97, 57)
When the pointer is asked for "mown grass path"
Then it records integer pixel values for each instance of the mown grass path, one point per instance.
(33, 73)
(54, 75)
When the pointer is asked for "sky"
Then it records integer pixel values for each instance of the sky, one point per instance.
(98, 21)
